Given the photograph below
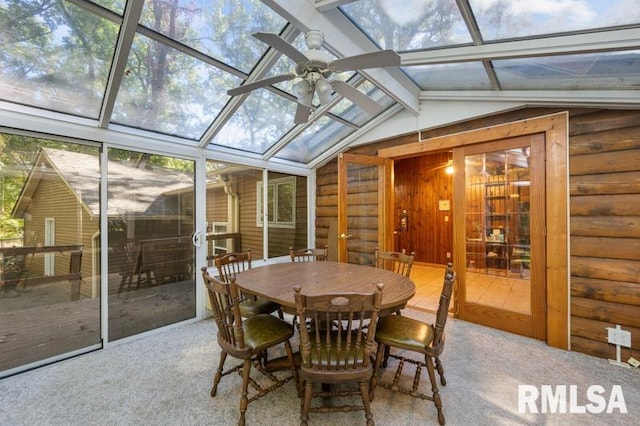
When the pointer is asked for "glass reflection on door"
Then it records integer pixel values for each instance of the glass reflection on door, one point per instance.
(151, 256)
(232, 202)
(49, 251)
(497, 229)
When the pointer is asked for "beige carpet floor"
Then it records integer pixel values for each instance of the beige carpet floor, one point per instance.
(165, 378)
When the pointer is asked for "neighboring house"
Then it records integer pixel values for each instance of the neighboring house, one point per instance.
(60, 204)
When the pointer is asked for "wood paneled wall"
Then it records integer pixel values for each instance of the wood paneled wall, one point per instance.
(604, 216)
(420, 184)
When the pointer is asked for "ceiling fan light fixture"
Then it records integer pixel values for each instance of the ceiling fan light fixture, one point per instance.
(303, 91)
(324, 89)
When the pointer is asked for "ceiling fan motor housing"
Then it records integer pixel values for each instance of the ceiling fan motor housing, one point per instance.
(314, 39)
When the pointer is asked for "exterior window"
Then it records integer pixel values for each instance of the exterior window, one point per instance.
(281, 208)
(220, 247)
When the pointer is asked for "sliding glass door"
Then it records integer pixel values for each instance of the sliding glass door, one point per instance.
(49, 250)
(150, 206)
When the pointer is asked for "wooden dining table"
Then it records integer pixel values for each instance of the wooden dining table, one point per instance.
(275, 282)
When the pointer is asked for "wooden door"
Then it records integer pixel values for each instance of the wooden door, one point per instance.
(365, 205)
(501, 187)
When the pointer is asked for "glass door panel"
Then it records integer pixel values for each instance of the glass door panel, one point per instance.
(503, 189)
(151, 256)
(498, 244)
(49, 250)
(233, 204)
(287, 213)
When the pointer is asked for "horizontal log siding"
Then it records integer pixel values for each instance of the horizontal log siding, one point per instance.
(326, 200)
(604, 167)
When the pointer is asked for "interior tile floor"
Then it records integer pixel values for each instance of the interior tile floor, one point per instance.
(490, 290)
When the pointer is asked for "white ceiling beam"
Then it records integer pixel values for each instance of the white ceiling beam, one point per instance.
(324, 5)
(571, 44)
(132, 13)
(570, 98)
(343, 39)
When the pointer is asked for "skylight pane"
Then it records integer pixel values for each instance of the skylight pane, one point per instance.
(315, 140)
(499, 20)
(55, 59)
(460, 76)
(260, 122)
(218, 28)
(409, 25)
(353, 113)
(116, 6)
(169, 92)
(606, 71)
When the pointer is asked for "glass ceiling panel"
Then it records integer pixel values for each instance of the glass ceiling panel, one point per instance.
(498, 19)
(459, 76)
(259, 123)
(353, 113)
(606, 71)
(53, 58)
(166, 91)
(315, 140)
(218, 28)
(422, 24)
(116, 6)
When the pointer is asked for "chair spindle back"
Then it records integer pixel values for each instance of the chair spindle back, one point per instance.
(400, 263)
(342, 329)
(224, 298)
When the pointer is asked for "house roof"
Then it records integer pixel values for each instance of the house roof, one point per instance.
(156, 74)
(131, 189)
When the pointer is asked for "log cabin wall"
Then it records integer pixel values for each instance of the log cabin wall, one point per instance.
(604, 169)
(604, 163)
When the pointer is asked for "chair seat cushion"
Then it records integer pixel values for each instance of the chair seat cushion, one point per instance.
(404, 332)
(264, 330)
(256, 306)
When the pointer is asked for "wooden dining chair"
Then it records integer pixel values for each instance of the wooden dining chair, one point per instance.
(246, 339)
(231, 264)
(336, 347)
(309, 254)
(400, 263)
(410, 335)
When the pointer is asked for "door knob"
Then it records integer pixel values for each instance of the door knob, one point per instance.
(345, 236)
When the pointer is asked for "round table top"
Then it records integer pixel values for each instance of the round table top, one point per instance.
(275, 282)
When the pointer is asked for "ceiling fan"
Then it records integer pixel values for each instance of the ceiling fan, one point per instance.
(314, 67)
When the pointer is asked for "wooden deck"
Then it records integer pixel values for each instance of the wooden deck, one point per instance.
(42, 323)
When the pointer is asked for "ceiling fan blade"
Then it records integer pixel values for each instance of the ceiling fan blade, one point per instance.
(357, 97)
(260, 83)
(302, 114)
(281, 45)
(383, 58)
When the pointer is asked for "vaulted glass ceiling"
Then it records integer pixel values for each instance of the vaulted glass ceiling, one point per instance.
(161, 68)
